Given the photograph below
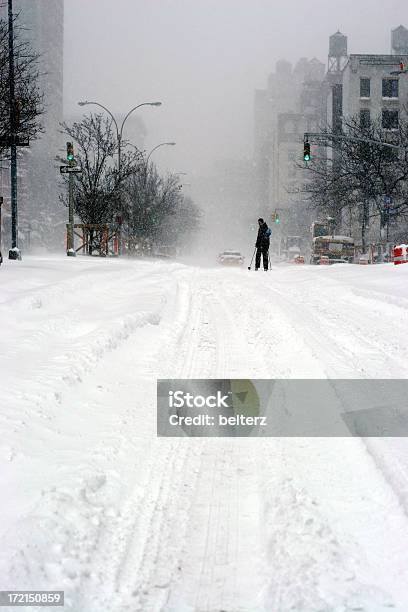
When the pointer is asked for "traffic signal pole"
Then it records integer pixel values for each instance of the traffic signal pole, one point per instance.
(321, 138)
(14, 252)
(1, 204)
(70, 229)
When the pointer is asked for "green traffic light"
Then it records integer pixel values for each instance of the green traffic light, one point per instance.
(70, 151)
(306, 157)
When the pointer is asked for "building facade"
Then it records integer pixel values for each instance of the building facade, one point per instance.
(41, 214)
(293, 103)
(370, 91)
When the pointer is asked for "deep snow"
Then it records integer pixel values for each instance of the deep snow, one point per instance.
(95, 504)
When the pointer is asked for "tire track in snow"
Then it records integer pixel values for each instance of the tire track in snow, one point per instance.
(214, 550)
(148, 558)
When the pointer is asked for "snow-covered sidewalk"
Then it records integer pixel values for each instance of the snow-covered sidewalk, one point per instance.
(96, 505)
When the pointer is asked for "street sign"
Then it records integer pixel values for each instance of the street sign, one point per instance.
(19, 142)
(68, 169)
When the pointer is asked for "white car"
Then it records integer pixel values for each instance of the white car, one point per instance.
(231, 258)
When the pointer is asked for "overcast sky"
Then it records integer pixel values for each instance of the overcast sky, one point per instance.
(203, 59)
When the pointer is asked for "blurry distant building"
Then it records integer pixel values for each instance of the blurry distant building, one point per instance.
(226, 200)
(307, 97)
(135, 131)
(294, 102)
(42, 24)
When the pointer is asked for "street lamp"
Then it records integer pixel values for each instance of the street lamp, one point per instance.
(119, 132)
(162, 144)
(146, 167)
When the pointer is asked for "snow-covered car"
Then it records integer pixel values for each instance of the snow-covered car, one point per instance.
(231, 258)
(168, 251)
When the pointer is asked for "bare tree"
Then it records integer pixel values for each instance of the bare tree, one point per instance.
(180, 223)
(29, 99)
(357, 175)
(143, 199)
(98, 189)
(158, 211)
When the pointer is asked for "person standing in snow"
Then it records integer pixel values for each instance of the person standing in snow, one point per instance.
(262, 245)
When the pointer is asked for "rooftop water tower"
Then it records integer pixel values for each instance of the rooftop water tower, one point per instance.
(337, 52)
(399, 41)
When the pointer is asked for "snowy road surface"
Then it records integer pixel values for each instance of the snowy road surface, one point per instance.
(94, 504)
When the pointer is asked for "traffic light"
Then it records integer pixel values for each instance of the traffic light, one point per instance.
(402, 69)
(306, 151)
(277, 220)
(70, 151)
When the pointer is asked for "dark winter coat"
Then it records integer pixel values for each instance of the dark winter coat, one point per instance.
(262, 240)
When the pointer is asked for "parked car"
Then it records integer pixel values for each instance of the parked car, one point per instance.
(167, 251)
(231, 258)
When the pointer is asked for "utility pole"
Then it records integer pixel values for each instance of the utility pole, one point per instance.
(70, 233)
(14, 252)
(70, 169)
(1, 204)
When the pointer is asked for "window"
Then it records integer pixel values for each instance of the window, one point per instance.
(365, 87)
(335, 247)
(390, 119)
(390, 88)
(365, 118)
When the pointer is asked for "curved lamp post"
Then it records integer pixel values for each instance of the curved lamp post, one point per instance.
(119, 131)
(162, 144)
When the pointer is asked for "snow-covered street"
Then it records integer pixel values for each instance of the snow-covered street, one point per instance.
(93, 503)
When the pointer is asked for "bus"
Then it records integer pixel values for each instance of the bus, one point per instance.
(339, 249)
